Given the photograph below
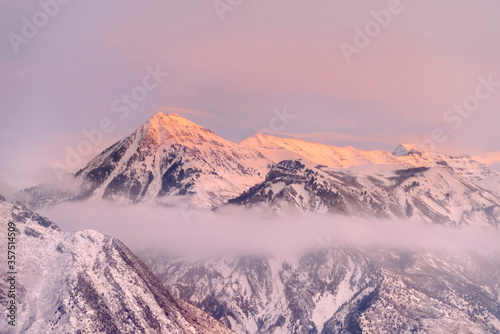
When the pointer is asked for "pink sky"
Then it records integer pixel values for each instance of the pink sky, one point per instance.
(233, 72)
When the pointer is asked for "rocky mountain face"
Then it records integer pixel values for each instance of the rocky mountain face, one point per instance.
(170, 155)
(45, 195)
(86, 282)
(169, 158)
(432, 194)
(266, 295)
(342, 290)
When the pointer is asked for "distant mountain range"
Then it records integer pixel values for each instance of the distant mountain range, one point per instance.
(170, 157)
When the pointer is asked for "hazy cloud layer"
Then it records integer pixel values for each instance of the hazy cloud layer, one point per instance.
(235, 231)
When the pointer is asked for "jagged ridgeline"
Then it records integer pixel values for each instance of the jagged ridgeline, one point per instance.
(171, 156)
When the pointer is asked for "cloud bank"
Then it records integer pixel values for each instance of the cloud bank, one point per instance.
(237, 231)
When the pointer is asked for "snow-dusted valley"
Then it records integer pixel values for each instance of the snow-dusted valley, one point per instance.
(86, 282)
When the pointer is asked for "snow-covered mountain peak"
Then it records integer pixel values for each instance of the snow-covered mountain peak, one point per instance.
(175, 129)
(170, 155)
(171, 117)
(404, 149)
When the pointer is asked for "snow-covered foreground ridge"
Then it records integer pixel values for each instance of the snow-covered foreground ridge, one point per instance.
(86, 282)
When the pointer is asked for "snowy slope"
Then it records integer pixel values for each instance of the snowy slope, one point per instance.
(492, 184)
(462, 165)
(269, 295)
(278, 149)
(427, 293)
(433, 194)
(342, 290)
(86, 282)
